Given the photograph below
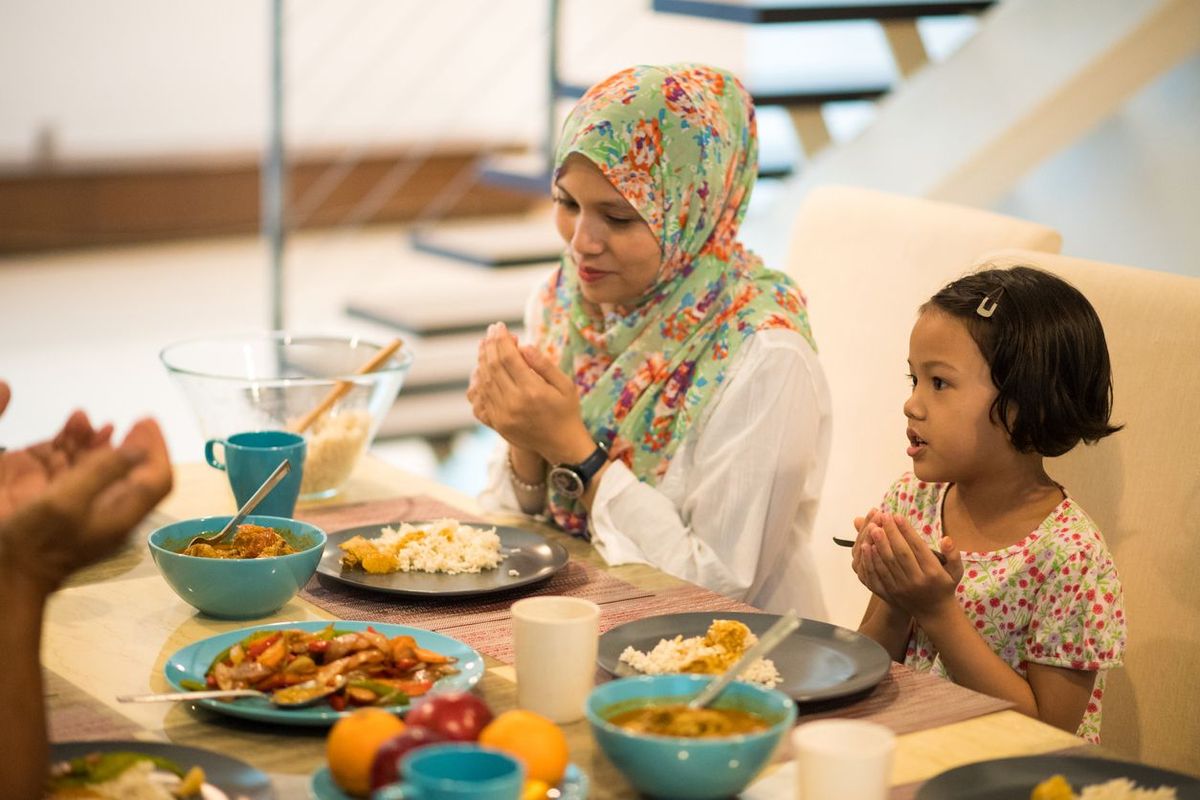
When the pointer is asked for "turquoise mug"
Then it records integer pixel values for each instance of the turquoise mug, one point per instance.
(250, 458)
(456, 772)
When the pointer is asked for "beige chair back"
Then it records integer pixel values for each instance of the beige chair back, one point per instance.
(1142, 487)
(867, 260)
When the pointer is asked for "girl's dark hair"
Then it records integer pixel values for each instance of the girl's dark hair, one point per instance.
(1046, 349)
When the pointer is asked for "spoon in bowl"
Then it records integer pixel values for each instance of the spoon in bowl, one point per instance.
(782, 628)
(270, 483)
(301, 695)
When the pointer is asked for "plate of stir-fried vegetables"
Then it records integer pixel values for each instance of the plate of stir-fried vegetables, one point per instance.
(381, 664)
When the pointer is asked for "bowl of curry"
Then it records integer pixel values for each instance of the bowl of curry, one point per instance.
(254, 572)
(665, 749)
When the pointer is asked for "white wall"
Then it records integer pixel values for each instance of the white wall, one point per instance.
(138, 77)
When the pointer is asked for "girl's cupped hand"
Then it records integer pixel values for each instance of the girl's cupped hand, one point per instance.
(894, 562)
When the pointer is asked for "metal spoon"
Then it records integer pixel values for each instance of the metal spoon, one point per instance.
(270, 483)
(850, 543)
(766, 643)
(218, 694)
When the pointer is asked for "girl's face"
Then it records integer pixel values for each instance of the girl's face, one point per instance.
(613, 248)
(951, 434)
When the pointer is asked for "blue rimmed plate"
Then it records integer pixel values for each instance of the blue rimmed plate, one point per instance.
(192, 662)
(574, 786)
(233, 778)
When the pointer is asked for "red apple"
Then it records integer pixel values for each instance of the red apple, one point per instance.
(385, 769)
(456, 715)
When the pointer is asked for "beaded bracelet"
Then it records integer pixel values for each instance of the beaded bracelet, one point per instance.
(520, 484)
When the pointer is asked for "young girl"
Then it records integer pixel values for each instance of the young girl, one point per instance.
(1007, 367)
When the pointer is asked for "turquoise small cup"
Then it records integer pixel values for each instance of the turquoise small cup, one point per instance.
(456, 772)
(694, 769)
(251, 457)
(233, 588)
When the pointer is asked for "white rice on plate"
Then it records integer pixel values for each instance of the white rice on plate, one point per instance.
(723, 644)
(1124, 789)
(443, 545)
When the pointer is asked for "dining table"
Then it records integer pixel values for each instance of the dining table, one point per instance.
(110, 630)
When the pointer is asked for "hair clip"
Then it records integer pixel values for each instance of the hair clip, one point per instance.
(983, 309)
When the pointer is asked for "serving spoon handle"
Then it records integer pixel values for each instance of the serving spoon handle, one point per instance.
(207, 694)
(270, 483)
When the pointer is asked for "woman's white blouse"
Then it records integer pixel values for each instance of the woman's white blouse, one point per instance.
(735, 508)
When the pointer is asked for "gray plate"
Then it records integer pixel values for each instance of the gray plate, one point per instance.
(235, 778)
(1014, 778)
(534, 558)
(817, 662)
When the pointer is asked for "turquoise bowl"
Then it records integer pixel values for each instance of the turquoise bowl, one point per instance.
(236, 588)
(696, 769)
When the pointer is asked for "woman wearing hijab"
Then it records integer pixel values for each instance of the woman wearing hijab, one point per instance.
(669, 404)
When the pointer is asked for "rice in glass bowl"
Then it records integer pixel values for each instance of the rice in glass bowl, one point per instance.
(269, 381)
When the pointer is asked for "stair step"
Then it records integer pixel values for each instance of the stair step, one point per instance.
(523, 172)
(501, 243)
(427, 414)
(758, 12)
(451, 302)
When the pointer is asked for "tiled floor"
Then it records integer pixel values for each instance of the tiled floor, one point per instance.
(84, 329)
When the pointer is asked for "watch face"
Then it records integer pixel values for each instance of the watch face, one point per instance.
(566, 482)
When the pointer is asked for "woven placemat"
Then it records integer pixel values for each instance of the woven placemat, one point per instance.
(72, 715)
(575, 579)
(908, 701)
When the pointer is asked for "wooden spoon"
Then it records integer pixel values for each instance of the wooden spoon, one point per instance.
(338, 391)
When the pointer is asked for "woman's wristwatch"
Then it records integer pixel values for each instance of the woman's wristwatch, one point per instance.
(572, 479)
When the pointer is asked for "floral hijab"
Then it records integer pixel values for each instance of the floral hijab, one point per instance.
(680, 144)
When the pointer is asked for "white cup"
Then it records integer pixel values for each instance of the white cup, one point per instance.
(555, 640)
(843, 758)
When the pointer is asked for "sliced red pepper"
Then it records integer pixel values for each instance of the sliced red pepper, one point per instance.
(256, 649)
(318, 646)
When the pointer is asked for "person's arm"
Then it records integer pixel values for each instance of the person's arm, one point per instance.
(23, 740)
(79, 514)
(516, 475)
(887, 625)
(726, 508)
(882, 621)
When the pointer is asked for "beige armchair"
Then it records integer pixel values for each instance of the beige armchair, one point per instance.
(1142, 486)
(866, 260)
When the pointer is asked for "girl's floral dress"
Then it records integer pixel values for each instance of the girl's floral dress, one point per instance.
(680, 145)
(1052, 598)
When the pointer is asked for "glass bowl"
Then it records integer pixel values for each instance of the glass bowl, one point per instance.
(269, 381)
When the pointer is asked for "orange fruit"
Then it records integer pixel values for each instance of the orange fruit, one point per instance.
(533, 740)
(352, 744)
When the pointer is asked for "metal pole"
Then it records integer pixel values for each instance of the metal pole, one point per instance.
(273, 184)
(552, 99)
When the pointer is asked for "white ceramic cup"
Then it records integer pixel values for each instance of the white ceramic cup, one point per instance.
(555, 640)
(843, 758)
